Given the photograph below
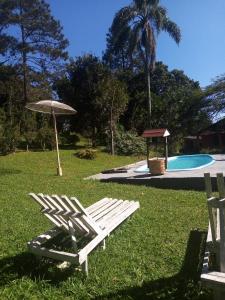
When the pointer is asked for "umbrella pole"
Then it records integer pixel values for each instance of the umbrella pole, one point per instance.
(59, 169)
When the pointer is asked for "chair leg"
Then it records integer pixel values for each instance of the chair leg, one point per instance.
(72, 234)
(103, 244)
(85, 266)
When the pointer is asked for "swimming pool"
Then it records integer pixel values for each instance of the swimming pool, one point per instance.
(183, 163)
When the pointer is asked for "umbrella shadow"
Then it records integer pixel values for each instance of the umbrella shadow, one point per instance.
(27, 265)
(183, 285)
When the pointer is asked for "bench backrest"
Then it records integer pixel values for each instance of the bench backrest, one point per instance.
(61, 210)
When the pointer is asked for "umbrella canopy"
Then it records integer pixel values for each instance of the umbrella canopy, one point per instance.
(54, 108)
(51, 106)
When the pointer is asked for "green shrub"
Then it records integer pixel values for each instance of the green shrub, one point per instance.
(176, 143)
(9, 134)
(45, 137)
(10, 140)
(129, 143)
(86, 154)
(212, 150)
(67, 138)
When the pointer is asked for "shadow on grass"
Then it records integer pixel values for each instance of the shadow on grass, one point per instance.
(176, 183)
(27, 265)
(4, 172)
(72, 147)
(184, 285)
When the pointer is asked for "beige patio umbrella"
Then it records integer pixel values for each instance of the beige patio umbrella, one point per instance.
(54, 108)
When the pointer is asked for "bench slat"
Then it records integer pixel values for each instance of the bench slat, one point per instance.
(90, 209)
(106, 209)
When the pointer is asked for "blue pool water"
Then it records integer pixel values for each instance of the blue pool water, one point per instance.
(183, 163)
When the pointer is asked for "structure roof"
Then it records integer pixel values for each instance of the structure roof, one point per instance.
(162, 132)
(216, 127)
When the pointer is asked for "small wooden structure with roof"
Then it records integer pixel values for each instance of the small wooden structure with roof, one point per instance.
(162, 132)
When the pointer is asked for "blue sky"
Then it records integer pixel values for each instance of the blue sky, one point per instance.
(201, 53)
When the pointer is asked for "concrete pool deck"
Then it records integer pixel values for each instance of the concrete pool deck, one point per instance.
(192, 179)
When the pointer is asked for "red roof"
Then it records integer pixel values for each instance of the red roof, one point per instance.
(156, 133)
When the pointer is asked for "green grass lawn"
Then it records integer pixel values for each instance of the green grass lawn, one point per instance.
(153, 255)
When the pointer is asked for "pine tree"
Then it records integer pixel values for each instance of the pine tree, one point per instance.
(30, 38)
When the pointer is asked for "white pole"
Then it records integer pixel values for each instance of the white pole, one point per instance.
(59, 169)
(166, 154)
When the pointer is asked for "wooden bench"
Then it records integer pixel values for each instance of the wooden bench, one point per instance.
(84, 226)
(213, 271)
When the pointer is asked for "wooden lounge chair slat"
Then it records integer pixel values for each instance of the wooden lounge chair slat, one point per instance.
(129, 210)
(61, 213)
(80, 207)
(82, 225)
(48, 202)
(69, 203)
(118, 210)
(72, 209)
(41, 202)
(212, 211)
(73, 236)
(78, 221)
(52, 218)
(220, 185)
(104, 205)
(222, 235)
(96, 205)
(113, 223)
(87, 219)
(54, 203)
(82, 220)
(62, 203)
(211, 277)
(208, 185)
(69, 212)
(55, 254)
(106, 208)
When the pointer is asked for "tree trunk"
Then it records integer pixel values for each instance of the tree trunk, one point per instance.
(112, 132)
(123, 60)
(24, 60)
(93, 137)
(24, 79)
(149, 99)
(10, 106)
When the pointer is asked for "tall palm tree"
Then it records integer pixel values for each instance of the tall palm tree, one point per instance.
(145, 19)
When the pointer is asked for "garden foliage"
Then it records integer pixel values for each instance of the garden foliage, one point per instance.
(86, 154)
(129, 143)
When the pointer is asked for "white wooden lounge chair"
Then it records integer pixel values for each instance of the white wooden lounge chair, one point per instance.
(213, 271)
(91, 225)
